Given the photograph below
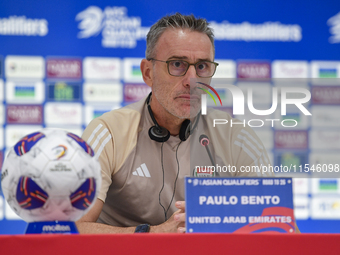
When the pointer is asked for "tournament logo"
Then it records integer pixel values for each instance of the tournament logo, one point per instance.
(59, 151)
(334, 23)
(118, 29)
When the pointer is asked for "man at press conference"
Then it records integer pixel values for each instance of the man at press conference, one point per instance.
(147, 148)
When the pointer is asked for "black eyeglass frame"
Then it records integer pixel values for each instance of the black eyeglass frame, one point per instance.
(189, 64)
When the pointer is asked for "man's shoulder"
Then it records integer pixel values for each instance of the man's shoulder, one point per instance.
(126, 113)
(119, 121)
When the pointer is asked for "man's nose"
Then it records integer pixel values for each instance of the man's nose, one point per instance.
(190, 75)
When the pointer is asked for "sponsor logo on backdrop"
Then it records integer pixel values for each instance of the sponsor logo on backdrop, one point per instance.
(63, 68)
(261, 93)
(13, 133)
(1, 200)
(325, 95)
(292, 160)
(62, 91)
(226, 69)
(301, 207)
(24, 114)
(104, 93)
(132, 72)
(24, 67)
(324, 158)
(253, 70)
(246, 31)
(2, 114)
(1, 90)
(324, 139)
(292, 116)
(135, 92)
(291, 139)
(95, 111)
(118, 29)
(300, 186)
(334, 23)
(290, 69)
(22, 92)
(22, 26)
(326, 185)
(325, 207)
(102, 68)
(266, 137)
(1, 142)
(325, 69)
(325, 116)
(63, 114)
(1, 66)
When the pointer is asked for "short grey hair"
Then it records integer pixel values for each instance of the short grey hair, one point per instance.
(176, 21)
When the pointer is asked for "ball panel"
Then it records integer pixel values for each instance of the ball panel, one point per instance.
(82, 198)
(29, 195)
(26, 143)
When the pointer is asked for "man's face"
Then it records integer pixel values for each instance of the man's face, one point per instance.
(174, 93)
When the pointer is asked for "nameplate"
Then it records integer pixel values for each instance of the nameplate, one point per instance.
(239, 205)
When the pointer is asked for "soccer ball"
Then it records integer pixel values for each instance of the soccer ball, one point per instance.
(51, 175)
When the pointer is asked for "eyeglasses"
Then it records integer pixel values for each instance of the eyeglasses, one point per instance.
(204, 69)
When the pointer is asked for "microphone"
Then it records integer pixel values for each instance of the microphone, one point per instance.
(204, 141)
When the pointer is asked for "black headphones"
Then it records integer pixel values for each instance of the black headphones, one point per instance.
(161, 134)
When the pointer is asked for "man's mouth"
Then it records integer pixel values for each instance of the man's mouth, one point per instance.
(189, 96)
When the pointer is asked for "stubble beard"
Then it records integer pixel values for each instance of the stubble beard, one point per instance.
(171, 108)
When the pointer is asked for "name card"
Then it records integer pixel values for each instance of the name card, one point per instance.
(239, 205)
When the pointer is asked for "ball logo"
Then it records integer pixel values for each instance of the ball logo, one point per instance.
(59, 151)
(204, 97)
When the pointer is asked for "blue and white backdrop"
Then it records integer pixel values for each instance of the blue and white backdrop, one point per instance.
(62, 63)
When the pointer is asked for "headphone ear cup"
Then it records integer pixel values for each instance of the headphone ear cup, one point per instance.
(159, 134)
(185, 130)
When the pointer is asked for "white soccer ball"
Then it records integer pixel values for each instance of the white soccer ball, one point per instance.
(51, 175)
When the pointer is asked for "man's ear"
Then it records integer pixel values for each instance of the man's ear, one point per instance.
(146, 68)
